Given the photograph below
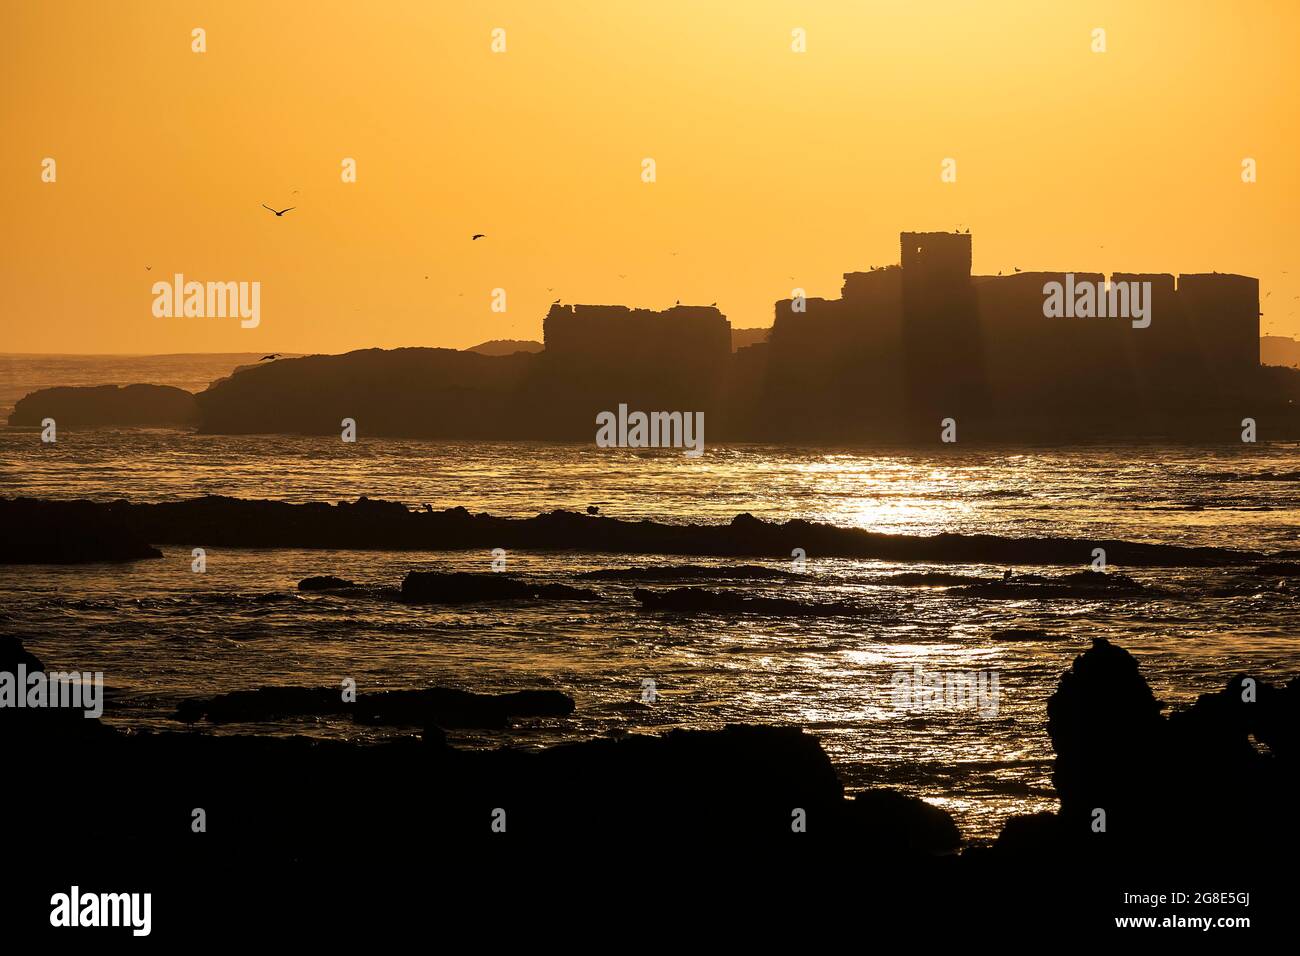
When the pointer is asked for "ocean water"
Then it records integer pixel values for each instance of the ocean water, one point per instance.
(160, 632)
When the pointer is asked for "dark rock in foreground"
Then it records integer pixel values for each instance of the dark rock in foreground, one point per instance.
(1215, 780)
(293, 798)
(462, 587)
(435, 706)
(67, 532)
(98, 405)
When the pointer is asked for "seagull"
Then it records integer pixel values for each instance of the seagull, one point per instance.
(272, 357)
(280, 212)
(713, 304)
(622, 275)
(148, 268)
(593, 510)
(678, 302)
(477, 235)
(556, 302)
(1017, 268)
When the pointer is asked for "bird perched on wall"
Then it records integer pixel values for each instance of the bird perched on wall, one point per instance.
(270, 358)
(593, 510)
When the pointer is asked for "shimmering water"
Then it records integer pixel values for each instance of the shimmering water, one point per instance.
(161, 632)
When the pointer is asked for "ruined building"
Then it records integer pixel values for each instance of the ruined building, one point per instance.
(926, 339)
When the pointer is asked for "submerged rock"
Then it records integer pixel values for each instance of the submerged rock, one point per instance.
(1078, 584)
(702, 601)
(676, 572)
(462, 587)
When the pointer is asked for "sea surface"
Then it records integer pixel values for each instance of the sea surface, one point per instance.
(161, 632)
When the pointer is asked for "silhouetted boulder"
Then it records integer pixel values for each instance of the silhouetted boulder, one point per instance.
(1031, 835)
(324, 582)
(91, 405)
(1217, 778)
(889, 823)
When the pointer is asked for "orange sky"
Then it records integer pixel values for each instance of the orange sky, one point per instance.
(770, 164)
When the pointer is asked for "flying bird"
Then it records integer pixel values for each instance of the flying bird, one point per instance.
(279, 212)
(272, 357)
(477, 235)
(148, 268)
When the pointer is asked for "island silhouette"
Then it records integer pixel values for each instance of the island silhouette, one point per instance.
(904, 348)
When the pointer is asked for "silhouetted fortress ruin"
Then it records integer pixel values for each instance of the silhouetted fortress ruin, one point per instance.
(902, 348)
(929, 339)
